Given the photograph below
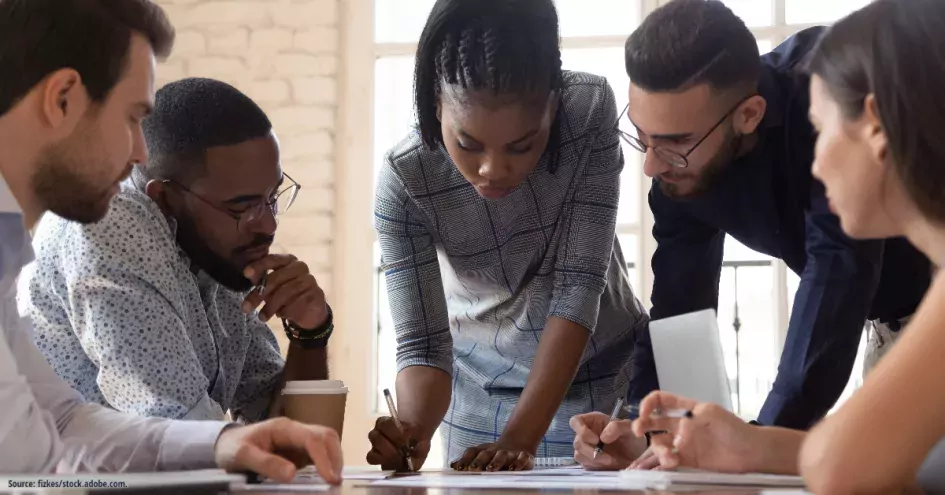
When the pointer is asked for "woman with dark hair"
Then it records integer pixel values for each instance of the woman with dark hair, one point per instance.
(496, 219)
(879, 109)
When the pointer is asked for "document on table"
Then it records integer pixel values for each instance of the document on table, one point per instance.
(663, 479)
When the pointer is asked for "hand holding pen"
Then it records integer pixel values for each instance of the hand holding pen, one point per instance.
(394, 444)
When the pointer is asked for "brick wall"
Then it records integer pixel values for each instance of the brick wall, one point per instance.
(285, 55)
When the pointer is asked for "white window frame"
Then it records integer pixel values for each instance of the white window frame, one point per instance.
(353, 351)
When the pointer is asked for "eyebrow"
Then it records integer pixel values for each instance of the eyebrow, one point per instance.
(528, 135)
(249, 198)
(680, 136)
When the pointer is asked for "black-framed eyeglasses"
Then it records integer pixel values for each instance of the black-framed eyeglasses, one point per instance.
(671, 156)
(279, 203)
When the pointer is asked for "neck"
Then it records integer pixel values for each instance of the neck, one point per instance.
(16, 166)
(928, 237)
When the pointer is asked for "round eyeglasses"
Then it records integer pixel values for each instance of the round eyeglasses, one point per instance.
(278, 203)
(673, 157)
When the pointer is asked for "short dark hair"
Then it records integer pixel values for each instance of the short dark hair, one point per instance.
(505, 46)
(93, 37)
(190, 116)
(894, 51)
(687, 43)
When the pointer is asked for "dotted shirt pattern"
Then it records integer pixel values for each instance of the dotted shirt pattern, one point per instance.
(122, 318)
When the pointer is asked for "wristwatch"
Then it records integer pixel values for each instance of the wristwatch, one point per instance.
(310, 339)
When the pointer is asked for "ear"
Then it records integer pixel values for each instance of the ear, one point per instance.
(873, 132)
(749, 114)
(158, 191)
(63, 99)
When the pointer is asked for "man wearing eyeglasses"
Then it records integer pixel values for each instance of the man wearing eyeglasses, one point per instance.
(160, 308)
(729, 147)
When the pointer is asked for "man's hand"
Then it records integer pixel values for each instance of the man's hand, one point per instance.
(388, 445)
(498, 456)
(291, 291)
(621, 446)
(275, 448)
(713, 439)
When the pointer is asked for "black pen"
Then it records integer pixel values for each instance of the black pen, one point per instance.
(613, 417)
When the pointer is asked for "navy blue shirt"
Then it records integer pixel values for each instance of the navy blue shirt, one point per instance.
(769, 201)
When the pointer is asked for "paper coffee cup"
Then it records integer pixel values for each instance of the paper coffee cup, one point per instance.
(316, 402)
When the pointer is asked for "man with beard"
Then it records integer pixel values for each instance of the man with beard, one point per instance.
(729, 147)
(76, 78)
(152, 311)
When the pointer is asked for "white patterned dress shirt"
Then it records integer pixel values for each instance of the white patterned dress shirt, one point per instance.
(44, 421)
(122, 318)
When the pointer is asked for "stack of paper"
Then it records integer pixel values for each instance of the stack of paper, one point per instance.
(661, 480)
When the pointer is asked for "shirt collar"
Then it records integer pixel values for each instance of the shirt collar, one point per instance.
(8, 203)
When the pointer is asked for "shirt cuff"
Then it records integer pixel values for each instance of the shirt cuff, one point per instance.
(190, 445)
(577, 304)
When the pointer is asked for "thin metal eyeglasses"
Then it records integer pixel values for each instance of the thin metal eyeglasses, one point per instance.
(670, 156)
(279, 203)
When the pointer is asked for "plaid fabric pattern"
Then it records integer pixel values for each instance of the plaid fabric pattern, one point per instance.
(471, 282)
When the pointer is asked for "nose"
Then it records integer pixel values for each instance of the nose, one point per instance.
(653, 165)
(139, 149)
(495, 168)
(264, 222)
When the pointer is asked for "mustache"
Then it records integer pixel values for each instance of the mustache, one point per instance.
(258, 241)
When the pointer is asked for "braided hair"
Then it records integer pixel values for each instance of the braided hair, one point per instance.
(507, 47)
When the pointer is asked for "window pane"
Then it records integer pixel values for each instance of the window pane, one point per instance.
(736, 251)
(755, 13)
(818, 11)
(597, 17)
(393, 104)
(765, 46)
(629, 244)
(400, 21)
(753, 344)
(608, 62)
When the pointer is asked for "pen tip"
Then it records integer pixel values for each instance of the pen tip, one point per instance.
(386, 392)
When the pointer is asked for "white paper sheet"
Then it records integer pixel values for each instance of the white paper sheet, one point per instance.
(665, 479)
(528, 482)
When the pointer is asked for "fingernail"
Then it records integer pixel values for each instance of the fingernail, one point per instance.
(474, 466)
(512, 468)
(249, 272)
(491, 467)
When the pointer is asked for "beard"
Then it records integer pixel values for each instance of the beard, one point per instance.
(71, 184)
(710, 173)
(226, 272)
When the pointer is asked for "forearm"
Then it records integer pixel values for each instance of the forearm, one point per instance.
(423, 396)
(556, 362)
(305, 364)
(776, 450)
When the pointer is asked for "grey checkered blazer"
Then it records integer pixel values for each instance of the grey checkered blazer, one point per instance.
(471, 282)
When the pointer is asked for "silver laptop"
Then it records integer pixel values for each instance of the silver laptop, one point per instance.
(689, 359)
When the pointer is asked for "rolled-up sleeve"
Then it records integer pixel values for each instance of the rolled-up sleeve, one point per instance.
(589, 224)
(414, 287)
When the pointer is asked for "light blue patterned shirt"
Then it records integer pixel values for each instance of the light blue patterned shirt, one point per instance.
(43, 421)
(123, 319)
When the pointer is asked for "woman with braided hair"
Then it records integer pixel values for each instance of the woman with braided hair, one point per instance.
(496, 218)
